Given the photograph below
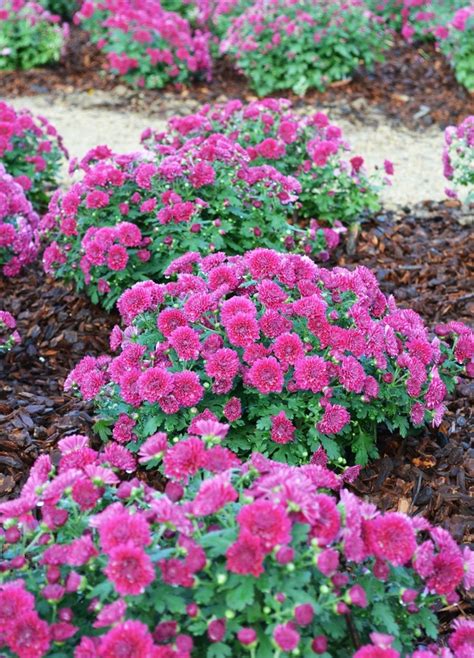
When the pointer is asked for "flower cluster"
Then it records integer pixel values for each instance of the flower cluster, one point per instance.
(458, 158)
(19, 240)
(146, 44)
(130, 216)
(9, 336)
(290, 354)
(30, 36)
(456, 41)
(300, 44)
(31, 151)
(259, 556)
(334, 186)
(416, 19)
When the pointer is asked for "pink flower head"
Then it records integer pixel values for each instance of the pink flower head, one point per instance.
(267, 521)
(130, 638)
(245, 556)
(130, 569)
(266, 375)
(283, 430)
(286, 637)
(392, 538)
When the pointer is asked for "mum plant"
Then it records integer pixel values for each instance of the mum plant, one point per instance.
(9, 336)
(146, 44)
(416, 19)
(19, 239)
(32, 152)
(130, 216)
(298, 45)
(30, 36)
(293, 356)
(334, 186)
(458, 159)
(456, 41)
(261, 559)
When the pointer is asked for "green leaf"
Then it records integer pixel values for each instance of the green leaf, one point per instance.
(218, 650)
(242, 595)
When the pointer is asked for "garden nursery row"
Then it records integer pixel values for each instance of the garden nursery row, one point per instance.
(235, 390)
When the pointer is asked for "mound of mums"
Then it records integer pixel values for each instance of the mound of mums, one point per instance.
(335, 188)
(130, 215)
(146, 44)
(292, 355)
(19, 239)
(32, 152)
(259, 557)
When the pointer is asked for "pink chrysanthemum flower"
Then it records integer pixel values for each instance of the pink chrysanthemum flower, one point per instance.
(130, 569)
(392, 538)
(110, 614)
(185, 342)
(184, 459)
(117, 525)
(187, 388)
(213, 495)
(242, 330)
(129, 639)
(334, 419)
(153, 448)
(286, 637)
(266, 375)
(245, 556)
(28, 636)
(283, 430)
(267, 521)
(311, 374)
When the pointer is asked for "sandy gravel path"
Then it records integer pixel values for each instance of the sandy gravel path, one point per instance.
(86, 120)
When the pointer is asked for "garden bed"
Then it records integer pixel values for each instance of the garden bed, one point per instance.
(421, 256)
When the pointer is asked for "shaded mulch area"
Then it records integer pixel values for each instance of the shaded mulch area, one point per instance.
(424, 257)
(415, 86)
(57, 328)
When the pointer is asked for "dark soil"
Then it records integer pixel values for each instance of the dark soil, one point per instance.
(415, 86)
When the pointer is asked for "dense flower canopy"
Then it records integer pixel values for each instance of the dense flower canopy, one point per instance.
(305, 355)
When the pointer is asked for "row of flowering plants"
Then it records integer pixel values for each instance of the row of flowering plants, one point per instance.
(130, 216)
(19, 237)
(146, 44)
(258, 559)
(9, 336)
(32, 152)
(30, 35)
(334, 186)
(458, 159)
(290, 354)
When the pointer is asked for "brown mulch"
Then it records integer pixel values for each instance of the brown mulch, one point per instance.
(415, 86)
(58, 328)
(425, 259)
